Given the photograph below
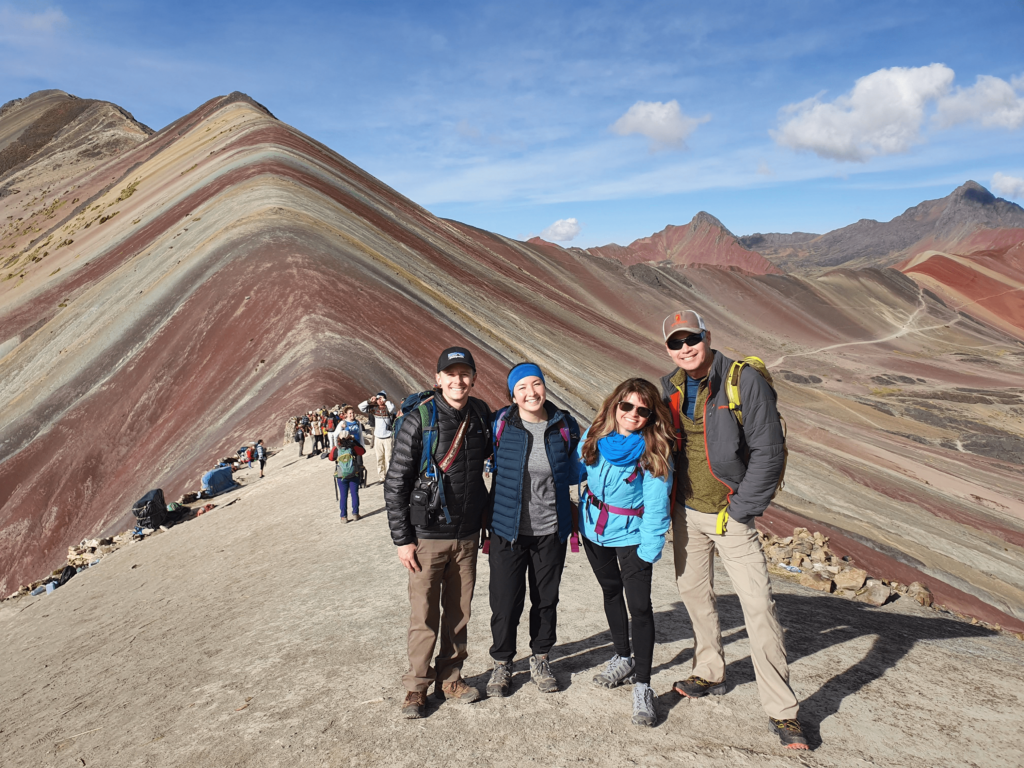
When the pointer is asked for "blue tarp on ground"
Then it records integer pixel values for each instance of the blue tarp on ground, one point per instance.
(218, 480)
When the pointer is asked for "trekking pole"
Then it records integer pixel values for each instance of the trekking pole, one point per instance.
(336, 496)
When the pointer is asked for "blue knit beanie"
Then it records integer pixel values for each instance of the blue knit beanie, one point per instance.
(521, 371)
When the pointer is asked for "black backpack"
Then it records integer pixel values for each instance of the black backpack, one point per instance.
(151, 510)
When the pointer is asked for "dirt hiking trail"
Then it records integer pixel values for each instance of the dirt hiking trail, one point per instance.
(268, 633)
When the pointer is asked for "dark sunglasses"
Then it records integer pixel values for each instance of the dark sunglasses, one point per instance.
(643, 413)
(691, 341)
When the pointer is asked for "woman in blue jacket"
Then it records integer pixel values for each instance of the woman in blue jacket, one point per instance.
(535, 464)
(624, 518)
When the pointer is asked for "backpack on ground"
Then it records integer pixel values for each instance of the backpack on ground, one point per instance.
(151, 510)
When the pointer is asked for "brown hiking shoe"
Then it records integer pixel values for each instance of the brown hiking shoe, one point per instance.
(457, 690)
(415, 705)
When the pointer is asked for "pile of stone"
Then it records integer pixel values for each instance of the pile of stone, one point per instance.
(809, 555)
(88, 553)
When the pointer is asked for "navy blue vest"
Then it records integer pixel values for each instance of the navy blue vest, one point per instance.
(510, 470)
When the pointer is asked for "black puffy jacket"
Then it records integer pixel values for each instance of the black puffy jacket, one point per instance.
(464, 489)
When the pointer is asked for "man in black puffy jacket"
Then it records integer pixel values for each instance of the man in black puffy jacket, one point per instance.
(438, 541)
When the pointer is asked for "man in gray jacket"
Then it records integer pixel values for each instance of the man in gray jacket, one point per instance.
(726, 474)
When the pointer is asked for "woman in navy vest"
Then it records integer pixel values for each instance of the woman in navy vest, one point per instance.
(535, 463)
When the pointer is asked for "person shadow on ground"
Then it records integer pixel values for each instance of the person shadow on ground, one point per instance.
(813, 624)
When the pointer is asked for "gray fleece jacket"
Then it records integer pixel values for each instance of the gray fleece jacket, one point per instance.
(748, 459)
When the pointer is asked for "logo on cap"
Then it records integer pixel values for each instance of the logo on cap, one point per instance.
(454, 355)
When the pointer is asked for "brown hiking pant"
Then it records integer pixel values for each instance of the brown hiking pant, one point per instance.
(694, 543)
(439, 599)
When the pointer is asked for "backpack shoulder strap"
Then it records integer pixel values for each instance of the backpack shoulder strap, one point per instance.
(428, 421)
(676, 406)
(732, 382)
(500, 428)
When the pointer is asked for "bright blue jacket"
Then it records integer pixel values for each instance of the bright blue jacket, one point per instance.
(608, 483)
(510, 458)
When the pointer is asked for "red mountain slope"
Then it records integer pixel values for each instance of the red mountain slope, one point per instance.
(702, 242)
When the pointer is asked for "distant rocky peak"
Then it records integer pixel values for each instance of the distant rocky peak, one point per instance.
(972, 206)
(972, 192)
(704, 220)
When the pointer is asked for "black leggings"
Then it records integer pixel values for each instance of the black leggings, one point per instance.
(534, 561)
(618, 570)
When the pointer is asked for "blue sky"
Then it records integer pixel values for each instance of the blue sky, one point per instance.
(614, 118)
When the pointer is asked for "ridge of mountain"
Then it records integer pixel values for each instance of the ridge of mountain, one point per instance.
(64, 130)
(933, 224)
(192, 292)
(704, 241)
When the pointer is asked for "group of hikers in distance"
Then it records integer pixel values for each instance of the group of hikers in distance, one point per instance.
(339, 435)
(688, 453)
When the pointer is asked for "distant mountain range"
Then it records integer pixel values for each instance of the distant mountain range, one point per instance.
(166, 297)
(932, 225)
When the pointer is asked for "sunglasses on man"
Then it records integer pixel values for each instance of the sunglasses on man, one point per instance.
(643, 413)
(691, 341)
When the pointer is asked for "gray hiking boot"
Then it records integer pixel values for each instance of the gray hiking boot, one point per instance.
(643, 705)
(500, 680)
(540, 673)
(618, 671)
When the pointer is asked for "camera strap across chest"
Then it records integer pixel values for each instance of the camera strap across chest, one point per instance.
(453, 450)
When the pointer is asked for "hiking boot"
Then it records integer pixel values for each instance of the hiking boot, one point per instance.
(355, 515)
(643, 705)
(789, 732)
(501, 679)
(694, 687)
(460, 692)
(540, 673)
(618, 671)
(415, 705)
(344, 518)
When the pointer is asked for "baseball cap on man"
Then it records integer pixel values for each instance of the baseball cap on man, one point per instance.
(684, 320)
(454, 355)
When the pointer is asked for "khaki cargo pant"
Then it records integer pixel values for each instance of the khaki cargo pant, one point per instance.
(439, 599)
(382, 449)
(694, 546)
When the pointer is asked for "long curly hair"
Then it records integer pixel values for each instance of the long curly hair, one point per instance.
(657, 432)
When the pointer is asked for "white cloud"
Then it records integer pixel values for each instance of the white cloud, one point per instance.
(882, 115)
(663, 123)
(1008, 186)
(991, 101)
(13, 21)
(562, 230)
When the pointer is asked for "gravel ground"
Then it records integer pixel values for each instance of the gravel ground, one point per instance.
(268, 633)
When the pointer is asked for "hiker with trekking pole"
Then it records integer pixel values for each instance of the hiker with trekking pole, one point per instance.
(531, 521)
(347, 453)
(436, 500)
(730, 448)
(624, 516)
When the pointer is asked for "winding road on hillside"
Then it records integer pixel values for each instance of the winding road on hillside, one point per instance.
(903, 331)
